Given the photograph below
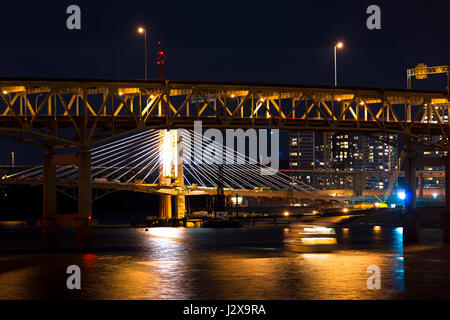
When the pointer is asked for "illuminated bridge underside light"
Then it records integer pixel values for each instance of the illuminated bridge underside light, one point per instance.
(129, 91)
(439, 101)
(238, 93)
(13, 89)
(344, 97)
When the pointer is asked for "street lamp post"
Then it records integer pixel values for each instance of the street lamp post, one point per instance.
(339, 45)
(144, 31)
(12, 159)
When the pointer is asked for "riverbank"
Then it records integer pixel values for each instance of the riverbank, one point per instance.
(394, 217)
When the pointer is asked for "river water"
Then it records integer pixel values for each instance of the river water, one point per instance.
(244, 263)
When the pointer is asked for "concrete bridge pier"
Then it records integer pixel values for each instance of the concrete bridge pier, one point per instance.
(84, 232)
(180, 206)
(177, 210)
(410, 218)
(165, 207)
(49, 228)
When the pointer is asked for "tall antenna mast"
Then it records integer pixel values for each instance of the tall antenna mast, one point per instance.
(161, 61)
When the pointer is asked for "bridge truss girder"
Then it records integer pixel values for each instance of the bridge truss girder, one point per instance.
(74, 113)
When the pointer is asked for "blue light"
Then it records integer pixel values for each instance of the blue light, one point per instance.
(399, 230)
(401, 195)
(435, 195)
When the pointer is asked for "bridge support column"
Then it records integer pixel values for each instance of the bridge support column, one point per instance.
(446, 216)
(84, 232)
(49, 229)
(181, 206)
(165, 207)
(410, 219)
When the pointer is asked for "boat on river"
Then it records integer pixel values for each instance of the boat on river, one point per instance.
(310, 238)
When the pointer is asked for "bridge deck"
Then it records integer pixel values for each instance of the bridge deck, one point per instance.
(98, 109)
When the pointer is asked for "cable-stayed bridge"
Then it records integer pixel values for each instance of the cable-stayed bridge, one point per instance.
(140, 162)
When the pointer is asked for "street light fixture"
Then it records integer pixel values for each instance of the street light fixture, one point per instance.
(142, 30)
(338, 45)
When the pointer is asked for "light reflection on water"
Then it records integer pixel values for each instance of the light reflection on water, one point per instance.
(397, 262)
(178, 263)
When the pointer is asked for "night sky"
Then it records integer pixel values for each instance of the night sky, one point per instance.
(273, 41)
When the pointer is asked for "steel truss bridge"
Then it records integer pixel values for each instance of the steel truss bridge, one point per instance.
(81, 112)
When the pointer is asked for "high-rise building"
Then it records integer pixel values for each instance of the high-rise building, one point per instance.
(339, 152)
(346, 152)
(308, 151)
(379, 156)
(301, 150)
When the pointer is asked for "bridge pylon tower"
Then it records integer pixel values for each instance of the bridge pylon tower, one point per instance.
(171, 173)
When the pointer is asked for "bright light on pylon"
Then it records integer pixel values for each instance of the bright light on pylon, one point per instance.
(168, 153)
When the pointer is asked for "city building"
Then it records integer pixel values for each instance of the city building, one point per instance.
(322, 159)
